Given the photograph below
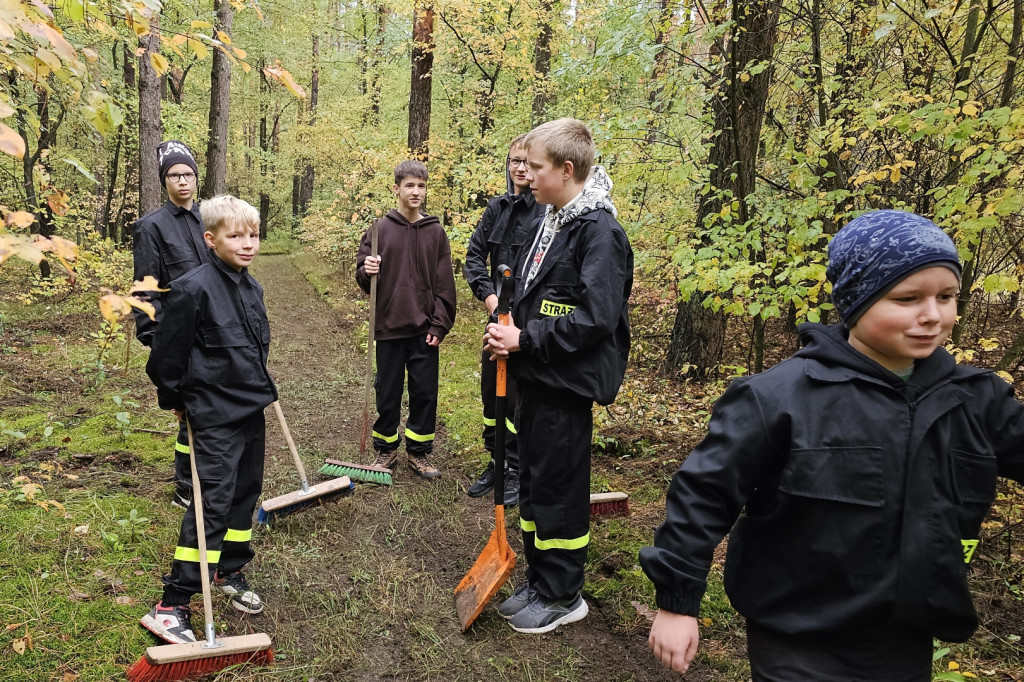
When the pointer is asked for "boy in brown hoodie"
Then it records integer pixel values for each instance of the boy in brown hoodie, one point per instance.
(415, 310)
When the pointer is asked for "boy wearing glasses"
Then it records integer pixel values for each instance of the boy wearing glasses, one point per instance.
(504, 227)
(166, 244)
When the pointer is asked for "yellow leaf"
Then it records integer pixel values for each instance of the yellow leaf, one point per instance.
(895, 174)
(286, 79)
(245, 67)
(20, 218)
(19, 646)
(11, 142)
(198, 47)
(64, 249)
(239, 52)
(144, 306)
(259, 12)
(158, 62)
(355, 218)
(147, 283)
(6, 110)
(969, 109)
(201, 24)
(744, 77)
(223, 37)
(845, 155)
(953, 665)
(112, 307)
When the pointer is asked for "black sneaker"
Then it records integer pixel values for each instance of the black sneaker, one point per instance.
(484, 483)
(511, 489)
(172, 624)
(517, 602)
(242, 596)
(182, 496)
(541, 615)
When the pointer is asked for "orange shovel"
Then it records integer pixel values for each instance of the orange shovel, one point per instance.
(495, 563)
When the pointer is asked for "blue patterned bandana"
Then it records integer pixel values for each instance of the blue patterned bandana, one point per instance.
(878, 249)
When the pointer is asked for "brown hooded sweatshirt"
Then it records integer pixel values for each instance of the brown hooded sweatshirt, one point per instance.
(416, 285)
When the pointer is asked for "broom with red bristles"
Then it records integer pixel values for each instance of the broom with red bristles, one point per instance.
(609, 504)
(195, 659)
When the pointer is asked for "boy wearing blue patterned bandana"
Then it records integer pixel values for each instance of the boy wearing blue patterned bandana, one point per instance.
(863, 467)
(569, 341)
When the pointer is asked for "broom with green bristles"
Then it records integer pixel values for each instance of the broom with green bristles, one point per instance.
(196, 659)
(364, 472)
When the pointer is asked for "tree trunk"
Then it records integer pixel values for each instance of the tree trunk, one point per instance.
(128, 68)
(308, 172)
(420, 87)
(542, 62)
(220, 106)
(151, 128)
(698, 334)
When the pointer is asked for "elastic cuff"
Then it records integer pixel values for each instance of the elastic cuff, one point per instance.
(684, 605)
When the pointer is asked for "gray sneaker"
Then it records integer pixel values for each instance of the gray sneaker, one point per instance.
(517, 602)
(541, 615)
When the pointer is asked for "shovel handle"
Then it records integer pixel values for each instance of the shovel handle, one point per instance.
(505, 287)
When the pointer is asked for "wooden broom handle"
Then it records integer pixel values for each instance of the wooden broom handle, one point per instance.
(197, 506)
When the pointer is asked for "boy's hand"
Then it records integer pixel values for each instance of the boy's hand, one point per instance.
(179, 414)
(371, 266)
(433, 340)
(492, 304)
(674, 638)
(501, 339)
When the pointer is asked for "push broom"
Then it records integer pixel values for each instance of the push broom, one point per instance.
(496, 561)
(306, 496)
(609, 504)
(195, 659)
(364, 472)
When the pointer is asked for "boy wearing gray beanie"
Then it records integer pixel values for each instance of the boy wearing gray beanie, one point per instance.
(863, 467)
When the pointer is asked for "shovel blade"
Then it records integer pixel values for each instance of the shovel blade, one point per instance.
(492, 568)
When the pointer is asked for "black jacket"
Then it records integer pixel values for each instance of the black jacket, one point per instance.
(574, 316)
(863, 494)
(507, 223)
(210, 350)
(166, 244)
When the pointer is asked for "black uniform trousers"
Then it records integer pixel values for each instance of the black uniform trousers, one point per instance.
(554, 497)
(182, 468)
(394, 357)
(488, 388)
(888, 652)
(229, 459)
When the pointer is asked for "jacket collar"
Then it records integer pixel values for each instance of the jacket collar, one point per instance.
(232, 274)
(557, 245)
(178, 210)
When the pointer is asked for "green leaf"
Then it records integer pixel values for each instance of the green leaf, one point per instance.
(949, 677)
(939, 653)
(81, 169)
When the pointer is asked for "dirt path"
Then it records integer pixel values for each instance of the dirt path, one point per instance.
(361, 589)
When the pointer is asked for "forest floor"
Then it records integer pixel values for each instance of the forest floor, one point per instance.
(359, 588)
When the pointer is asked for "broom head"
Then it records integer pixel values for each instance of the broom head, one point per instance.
(367, 473)
(193, 660)
(609, 504)
(282, 505)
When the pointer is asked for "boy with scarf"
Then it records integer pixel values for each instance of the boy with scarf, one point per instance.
(863, 465)
(505, 225)
(415, 311)
(166, 244)
(568, 345)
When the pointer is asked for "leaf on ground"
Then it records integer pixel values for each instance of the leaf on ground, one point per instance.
(124, 600)
(70, 677)
(643, 611)
(82, 530)
(13, 626)
(19, 646)
(78, 595)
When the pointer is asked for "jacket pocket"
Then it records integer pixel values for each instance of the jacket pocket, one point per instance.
(853, 475)
(974, 477)
(228, 355)
(178, 260)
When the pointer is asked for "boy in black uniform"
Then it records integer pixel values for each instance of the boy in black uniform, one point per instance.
(864, 464)
(209, 364)
(504, 226)
(166, 244)
(572, 290)
(415, 311)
